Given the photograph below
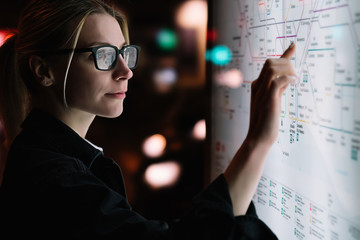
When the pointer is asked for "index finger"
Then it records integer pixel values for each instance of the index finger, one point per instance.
(289, 52)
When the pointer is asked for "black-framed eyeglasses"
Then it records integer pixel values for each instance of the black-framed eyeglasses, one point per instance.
(106, 56)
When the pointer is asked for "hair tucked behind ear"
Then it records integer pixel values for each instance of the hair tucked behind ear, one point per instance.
(14, 97)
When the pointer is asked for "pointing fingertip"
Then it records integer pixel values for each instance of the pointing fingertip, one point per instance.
(289, 51)
(292, 44)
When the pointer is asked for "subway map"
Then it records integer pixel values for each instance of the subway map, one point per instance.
(310, 188)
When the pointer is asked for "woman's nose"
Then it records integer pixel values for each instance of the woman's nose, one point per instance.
(121, 70)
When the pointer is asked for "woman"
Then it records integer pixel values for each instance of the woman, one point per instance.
(69, 62)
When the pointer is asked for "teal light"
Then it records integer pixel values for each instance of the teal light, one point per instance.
(167, 39)
(221, 55)
(208, 55)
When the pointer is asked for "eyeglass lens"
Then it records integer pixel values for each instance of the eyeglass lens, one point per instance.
(130, 55)
(106, 56)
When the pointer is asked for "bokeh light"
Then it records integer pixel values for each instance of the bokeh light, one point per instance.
(199, 130)
(165, 79)
(164, 174)
(211, 35)
(192, 14)
(167, 39)
(4, 35)
(154, 146)
(232, 78)
(220, 55)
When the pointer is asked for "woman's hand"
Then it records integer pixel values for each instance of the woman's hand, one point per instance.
(266, 94)
(244, 171)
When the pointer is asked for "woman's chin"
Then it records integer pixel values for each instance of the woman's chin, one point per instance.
(111, 114)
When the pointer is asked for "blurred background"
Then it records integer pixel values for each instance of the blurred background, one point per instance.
(160, 139)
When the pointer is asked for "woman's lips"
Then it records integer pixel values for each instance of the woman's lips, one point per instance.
(119, 95)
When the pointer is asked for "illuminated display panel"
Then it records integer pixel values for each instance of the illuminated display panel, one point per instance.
(310, 184)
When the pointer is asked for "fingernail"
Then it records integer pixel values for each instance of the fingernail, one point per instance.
(292, 44)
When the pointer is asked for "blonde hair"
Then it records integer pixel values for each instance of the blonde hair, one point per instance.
(44, 25)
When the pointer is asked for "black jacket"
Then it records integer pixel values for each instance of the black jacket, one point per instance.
(58, 186)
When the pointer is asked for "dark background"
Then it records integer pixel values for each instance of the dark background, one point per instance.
(148, 111)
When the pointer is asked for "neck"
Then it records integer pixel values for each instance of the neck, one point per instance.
(77, 120)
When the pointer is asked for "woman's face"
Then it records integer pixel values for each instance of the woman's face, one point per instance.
(88, 89)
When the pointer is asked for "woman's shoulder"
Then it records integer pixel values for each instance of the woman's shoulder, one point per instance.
(29, 164)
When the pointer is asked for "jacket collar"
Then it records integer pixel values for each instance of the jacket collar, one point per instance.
(60, 137)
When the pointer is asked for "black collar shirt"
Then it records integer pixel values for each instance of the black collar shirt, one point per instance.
(59, 186)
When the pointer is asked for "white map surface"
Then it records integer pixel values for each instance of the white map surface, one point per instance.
(310, 187)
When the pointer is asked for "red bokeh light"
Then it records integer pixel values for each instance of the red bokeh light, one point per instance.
(5, 35)
(211, 35)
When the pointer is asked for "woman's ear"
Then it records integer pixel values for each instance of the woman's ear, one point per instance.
(41, 71)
